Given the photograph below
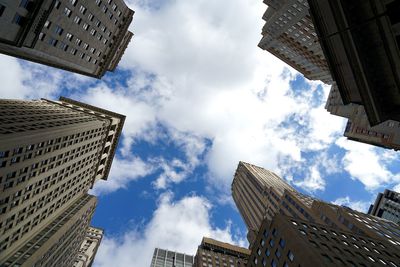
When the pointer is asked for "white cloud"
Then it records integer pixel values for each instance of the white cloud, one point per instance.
(361, 206)
(175, 225)
(368, 164)
(313, 181)
(122, 172)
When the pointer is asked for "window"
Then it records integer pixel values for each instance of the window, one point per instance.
(58, 30)
(278, 253)
(85, 46)
(78, 41)
(267, 252)
(92, 50)
(77, 20)
(85, 26)
(271, 243)
(104, 9)
(73, 51)
(2, 8)
(92, 31)
(67, 12)
(282, 243)
(73, 2)
(99, 37)
(41, 36)
(19, 20)
(68, 36)
(119, 13)
(53, 41)
(90, 16)
(82, 9)
(273, 263)
(290, 255)
(25, 3)
(98, 2)
(64, 46)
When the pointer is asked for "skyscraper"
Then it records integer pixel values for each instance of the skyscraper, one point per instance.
(386, 134)
(348, 31)
(297, 229)
(89, 247)
(86, 37)
(166, 258)
(214, 253)
(51, 153)
(289, 35)
(387, 206)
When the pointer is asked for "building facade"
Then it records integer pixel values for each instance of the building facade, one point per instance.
(348, 31)
(82, 36)
(286, 241)
(289, 34)
(387, 206)
(214, 253)
(51, 154)
(167, 258)
(89, 247)
(386, 134)
(284, 236)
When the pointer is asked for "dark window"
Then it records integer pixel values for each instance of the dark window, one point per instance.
(282, 243)
(57, 4)
(53, 42)
(278, 253)
(18, 19)
(273, 263)
(58, 30)
(2, 8)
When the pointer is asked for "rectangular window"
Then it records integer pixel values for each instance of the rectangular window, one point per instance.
(2, 8)
(68, 36)
(98, 2)
(57, 4)
(58, 30)
(24, 3)
(73, 2)
(90, 16)
(85, 26)
(53, 42)
(114, 7)
(92, 31)
(78, 41)
(19, 20)
(67, 12)
(85, 46)
(73, 51)
(77, 20)
(41, 36)
(64, 46)
(82, 9)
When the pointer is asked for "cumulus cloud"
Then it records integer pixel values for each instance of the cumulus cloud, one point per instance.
(368, 164)
(122, 172)
(361, 206)
(175, 225)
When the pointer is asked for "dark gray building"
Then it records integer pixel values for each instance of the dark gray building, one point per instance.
(361, 43)
(387, 206)
(88, 37)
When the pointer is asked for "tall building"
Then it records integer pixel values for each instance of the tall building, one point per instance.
(214, 253)
(86, 37)
(289, 34)
(386, 134)
(89, 247)
(51, 154)
(287, 241)
(166, 258)
(298, 206)
(348, 31)
(387, 206)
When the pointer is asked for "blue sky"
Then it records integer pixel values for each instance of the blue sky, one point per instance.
(199, 96)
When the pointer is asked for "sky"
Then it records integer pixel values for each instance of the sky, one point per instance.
(200, 96)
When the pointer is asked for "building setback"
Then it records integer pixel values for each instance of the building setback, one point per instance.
(89, 247)
(214, 253)
(386, 134)
(87, 37)
(348, 31)
(387, 206)
(278, 206)
(289, 35)
(167, 258)
(51, 154)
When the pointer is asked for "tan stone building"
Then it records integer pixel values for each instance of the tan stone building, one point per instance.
(279, 210)
(82, 36)
(289, 34)
(214, 253)
(51, 154)
(89, 247)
